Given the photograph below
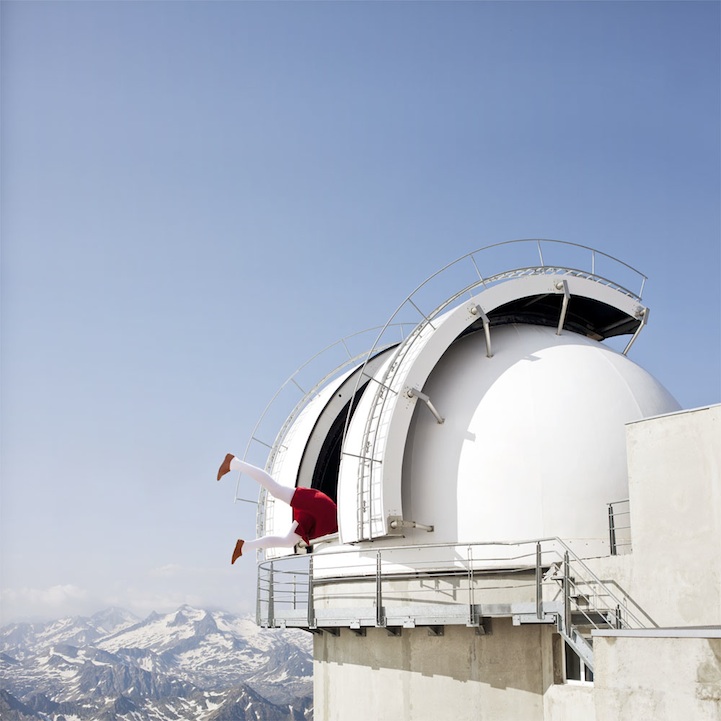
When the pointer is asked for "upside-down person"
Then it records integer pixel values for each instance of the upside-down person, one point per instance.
(314, 513)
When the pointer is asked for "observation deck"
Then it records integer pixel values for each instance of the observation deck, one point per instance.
(433, 586)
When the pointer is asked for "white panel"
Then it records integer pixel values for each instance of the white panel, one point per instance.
(533, 444)
(675, 493)
(338, 400)
(297, 452)
(354, 497)
(279, 516)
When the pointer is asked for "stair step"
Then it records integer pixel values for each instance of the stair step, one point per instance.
(590, 618)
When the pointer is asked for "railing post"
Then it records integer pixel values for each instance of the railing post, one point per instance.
(380, 615)
(311, 603)
(472, 616)
(257, 599)
(567, 593)
(271, 610)
(611, 530)
(539, 588)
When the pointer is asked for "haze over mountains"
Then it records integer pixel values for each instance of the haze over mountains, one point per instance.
(190, 664)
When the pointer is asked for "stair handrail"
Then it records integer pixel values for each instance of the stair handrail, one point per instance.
(578, 562)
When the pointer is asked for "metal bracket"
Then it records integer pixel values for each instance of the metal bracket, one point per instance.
(643, 314)
(477, 310)
(481, 625)
(395, 522)
(563, 285)
(523, 618)
(415, 393)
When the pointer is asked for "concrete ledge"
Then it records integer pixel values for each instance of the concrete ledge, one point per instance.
(689, 632)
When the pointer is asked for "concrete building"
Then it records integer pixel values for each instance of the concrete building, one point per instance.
(529, 525)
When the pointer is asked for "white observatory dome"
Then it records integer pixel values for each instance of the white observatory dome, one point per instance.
(499, 417)
(533, 443)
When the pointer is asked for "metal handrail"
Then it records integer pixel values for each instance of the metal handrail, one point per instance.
(556, 570)
(619, 527)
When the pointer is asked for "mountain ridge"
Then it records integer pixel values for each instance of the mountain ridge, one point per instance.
(189, 663)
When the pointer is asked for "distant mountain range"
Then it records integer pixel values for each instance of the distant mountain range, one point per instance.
(191, 664)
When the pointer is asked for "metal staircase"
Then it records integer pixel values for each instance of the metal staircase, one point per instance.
(582, 603)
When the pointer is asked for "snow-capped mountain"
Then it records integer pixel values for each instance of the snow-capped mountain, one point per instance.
(79, 631)
(190, 664)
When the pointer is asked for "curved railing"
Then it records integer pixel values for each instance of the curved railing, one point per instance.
(425, 304)
(291, 582)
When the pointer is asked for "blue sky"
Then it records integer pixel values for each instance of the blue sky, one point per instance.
(197, 197)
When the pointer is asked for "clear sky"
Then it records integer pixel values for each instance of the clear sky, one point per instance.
(198, 196)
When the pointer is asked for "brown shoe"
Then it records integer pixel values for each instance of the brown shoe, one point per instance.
(225, 465)
(237, 551)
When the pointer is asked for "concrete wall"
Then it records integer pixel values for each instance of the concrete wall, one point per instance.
(570, 702)
(675, 505)
(418, 677)
(663, 679)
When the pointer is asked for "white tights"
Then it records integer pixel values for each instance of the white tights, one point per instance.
(288, 541)
(282, 493)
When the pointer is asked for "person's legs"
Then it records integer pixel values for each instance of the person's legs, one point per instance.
(282, 493)
(288, 541)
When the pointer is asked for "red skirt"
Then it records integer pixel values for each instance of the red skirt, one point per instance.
(316, 513)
